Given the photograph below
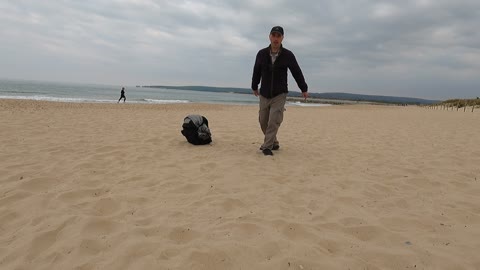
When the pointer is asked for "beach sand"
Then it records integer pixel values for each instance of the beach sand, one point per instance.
(116, 186)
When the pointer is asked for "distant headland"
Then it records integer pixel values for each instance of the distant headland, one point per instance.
(329, 98)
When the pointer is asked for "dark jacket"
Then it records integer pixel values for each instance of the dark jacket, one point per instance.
(274, 76)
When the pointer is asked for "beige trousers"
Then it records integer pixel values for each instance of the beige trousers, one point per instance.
(270, 117)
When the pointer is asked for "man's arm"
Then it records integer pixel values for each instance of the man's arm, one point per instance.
(298, 76)
(257, 74)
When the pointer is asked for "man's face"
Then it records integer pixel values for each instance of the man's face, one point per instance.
(276, 39)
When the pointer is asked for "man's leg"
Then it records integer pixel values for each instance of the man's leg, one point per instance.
(275, 118)
(264, 113)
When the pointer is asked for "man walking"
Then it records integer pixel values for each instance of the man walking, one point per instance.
(271, 65)
(122, 95)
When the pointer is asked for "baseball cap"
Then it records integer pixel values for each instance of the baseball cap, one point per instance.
(277, 29)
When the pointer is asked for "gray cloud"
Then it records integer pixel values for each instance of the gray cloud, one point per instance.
(416, 48)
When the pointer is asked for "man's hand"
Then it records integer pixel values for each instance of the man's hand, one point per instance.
(305, 95)
(255, 92)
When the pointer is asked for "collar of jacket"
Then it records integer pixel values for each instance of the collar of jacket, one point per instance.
(279, 51)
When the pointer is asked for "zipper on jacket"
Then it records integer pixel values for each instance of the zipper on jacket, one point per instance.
(273, 69)
(273, 72)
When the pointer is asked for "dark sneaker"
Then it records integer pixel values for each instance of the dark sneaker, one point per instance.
(267, 152)
(274, 147)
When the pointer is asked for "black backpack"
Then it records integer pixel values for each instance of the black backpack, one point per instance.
(196, 130)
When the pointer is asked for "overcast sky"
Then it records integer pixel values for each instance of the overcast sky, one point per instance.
(416, 48)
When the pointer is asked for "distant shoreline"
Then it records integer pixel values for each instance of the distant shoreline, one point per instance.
(327, 97)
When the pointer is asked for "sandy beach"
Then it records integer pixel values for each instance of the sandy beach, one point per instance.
(116, 186)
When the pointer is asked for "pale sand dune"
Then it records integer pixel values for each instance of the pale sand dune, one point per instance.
(116, 186)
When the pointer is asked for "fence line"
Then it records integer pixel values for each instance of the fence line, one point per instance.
(465, 104)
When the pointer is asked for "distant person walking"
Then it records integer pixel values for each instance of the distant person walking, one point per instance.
(271, 65)
(122, 95)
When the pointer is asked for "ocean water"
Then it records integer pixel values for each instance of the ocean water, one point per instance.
(95, 93)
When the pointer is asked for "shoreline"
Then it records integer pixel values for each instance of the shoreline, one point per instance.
(290, 102)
